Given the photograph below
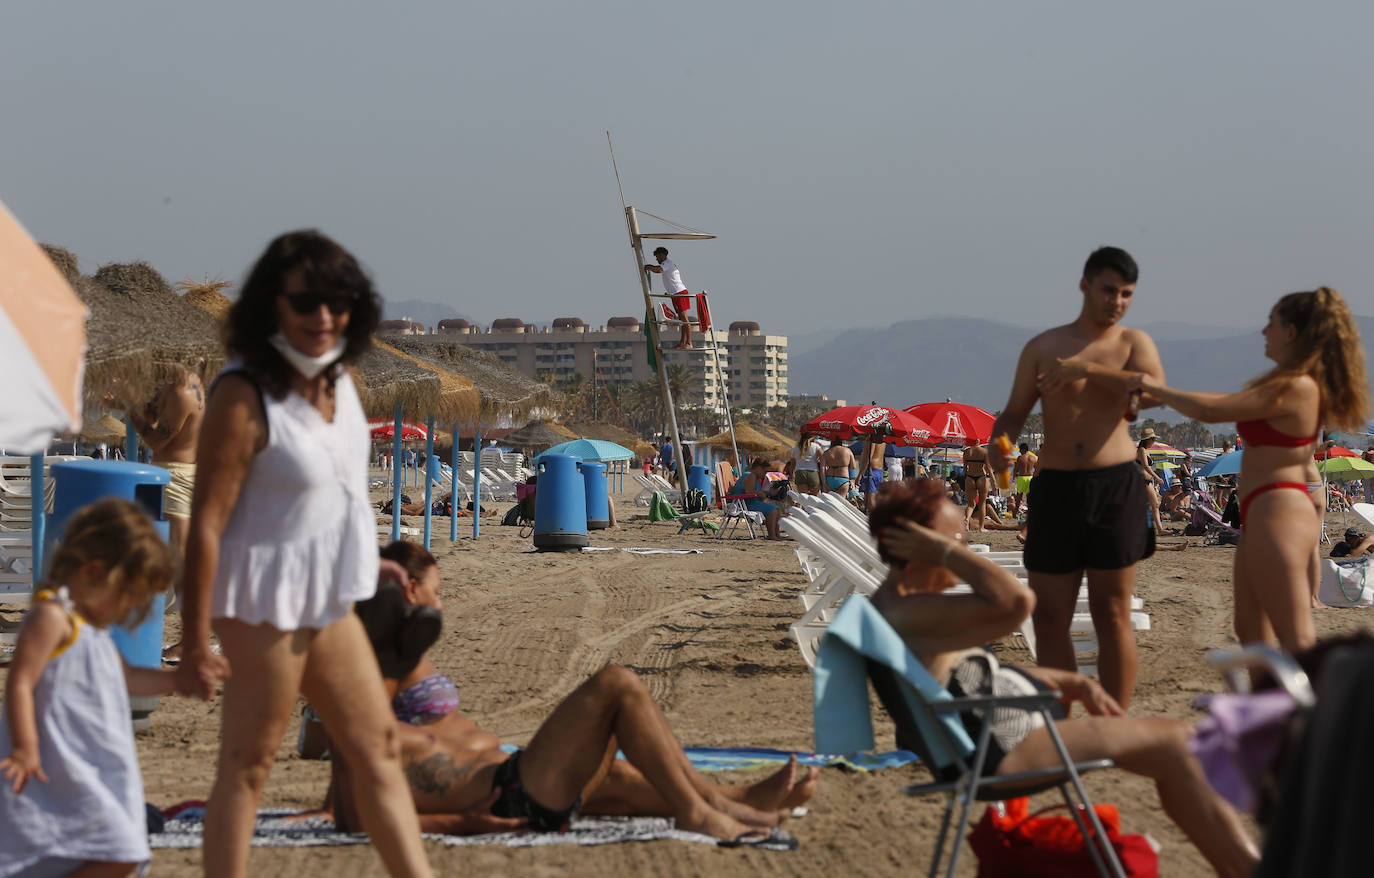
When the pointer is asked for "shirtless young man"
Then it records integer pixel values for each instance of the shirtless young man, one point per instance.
(872, 466)
(977, 485)
(1088, 503)
(836, 465)
(170, 426)
(1022, 472)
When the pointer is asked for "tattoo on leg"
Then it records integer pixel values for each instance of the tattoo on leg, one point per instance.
(436, 774)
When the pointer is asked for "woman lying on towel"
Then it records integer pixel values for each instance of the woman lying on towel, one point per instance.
(920, 534)
(464, 783)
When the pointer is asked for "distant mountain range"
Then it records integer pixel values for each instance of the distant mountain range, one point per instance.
(972, 360)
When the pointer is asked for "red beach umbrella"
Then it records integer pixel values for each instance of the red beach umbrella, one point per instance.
(1334, 451)
(382, 428)
(956, 423)
(860, 420)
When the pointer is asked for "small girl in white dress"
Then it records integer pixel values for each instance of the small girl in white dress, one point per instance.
(71, 795)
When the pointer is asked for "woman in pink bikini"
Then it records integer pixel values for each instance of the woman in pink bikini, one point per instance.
(1318, 377)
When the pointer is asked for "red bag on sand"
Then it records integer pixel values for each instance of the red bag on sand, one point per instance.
(1010, 842)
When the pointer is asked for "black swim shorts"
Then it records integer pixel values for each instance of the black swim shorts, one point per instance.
(513, 800)
(1094, 518)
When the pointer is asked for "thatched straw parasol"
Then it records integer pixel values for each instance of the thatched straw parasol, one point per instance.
(748, 439)
(65, 260)
(774, 433)
(386, 376)
(505, 392)
(107, 429)
(142, 333)
(538, 435)
(605, 432)
(206, 296)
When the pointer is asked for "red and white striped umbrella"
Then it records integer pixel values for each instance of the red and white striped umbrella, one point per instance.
(42, 344)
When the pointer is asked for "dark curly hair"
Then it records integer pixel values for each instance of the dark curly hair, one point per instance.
(253, 318)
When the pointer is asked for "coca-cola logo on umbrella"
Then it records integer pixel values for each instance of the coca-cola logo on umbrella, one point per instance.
(872, 416)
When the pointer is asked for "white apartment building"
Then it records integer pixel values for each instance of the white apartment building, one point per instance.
(758, 366)
(616, 354)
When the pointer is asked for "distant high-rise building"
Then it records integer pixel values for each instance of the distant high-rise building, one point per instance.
(616, 353)
(758, 366)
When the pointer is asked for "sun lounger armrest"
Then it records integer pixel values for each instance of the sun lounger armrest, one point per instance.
(1286, 671)
(1019, 702)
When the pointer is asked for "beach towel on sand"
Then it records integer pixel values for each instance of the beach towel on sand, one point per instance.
(275, 827)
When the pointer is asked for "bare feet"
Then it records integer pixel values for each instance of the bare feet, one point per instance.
(709, 821)
(783, 789)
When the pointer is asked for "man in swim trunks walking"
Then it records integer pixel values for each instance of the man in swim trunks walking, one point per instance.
(871, 463)
(170, 426)
(1087, 511)
(673, 286)
(1023, 471)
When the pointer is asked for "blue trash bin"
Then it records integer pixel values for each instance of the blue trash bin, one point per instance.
(78, 483)
(560, 505)
(598, 501)
(699, 479)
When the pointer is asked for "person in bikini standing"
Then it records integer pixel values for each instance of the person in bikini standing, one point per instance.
(977, 485)
(836, 465)
(1088, 502)
(169, 424)
(1318, 377)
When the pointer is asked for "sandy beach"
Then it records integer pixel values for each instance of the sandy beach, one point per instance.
(708, 634)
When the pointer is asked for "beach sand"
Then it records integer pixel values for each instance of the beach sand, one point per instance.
(708, 634)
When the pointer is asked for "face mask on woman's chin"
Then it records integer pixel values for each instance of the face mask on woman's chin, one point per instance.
(306, 365)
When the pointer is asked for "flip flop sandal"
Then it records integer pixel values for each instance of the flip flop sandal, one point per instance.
(778, 839)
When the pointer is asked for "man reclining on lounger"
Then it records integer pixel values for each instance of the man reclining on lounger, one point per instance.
(464, 783)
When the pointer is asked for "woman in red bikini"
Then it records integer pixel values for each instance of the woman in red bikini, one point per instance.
(1318, 377)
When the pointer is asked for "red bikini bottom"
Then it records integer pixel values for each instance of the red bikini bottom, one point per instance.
(1272, 486)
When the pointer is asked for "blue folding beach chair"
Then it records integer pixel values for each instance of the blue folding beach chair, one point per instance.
(860, 645)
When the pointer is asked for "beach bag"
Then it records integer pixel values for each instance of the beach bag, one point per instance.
(695, 501)
(1346, 583)
(1010, 842)
(777, 489)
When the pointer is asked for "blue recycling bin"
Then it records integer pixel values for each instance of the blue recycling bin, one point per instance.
(699, 479)
(78, 483)
(598, 501)
(560, 505)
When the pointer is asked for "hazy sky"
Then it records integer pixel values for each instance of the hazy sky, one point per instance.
(861, 163)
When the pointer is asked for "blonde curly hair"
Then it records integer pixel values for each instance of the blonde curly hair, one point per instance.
(118, 535)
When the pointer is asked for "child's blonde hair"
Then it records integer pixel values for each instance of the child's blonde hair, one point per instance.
(121, 537)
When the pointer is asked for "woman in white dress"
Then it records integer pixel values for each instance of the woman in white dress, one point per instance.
(283, 541)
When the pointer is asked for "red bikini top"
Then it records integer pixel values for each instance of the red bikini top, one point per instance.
(1257, 434)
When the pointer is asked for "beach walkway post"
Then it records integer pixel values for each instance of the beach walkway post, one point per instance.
(429, 482)
(476, 480)
(397, 470)
(453, 488)
(38, 511)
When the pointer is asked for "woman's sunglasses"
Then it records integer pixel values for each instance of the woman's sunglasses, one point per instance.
(309, 303)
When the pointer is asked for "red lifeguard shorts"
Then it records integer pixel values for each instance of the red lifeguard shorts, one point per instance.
(682, 302)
